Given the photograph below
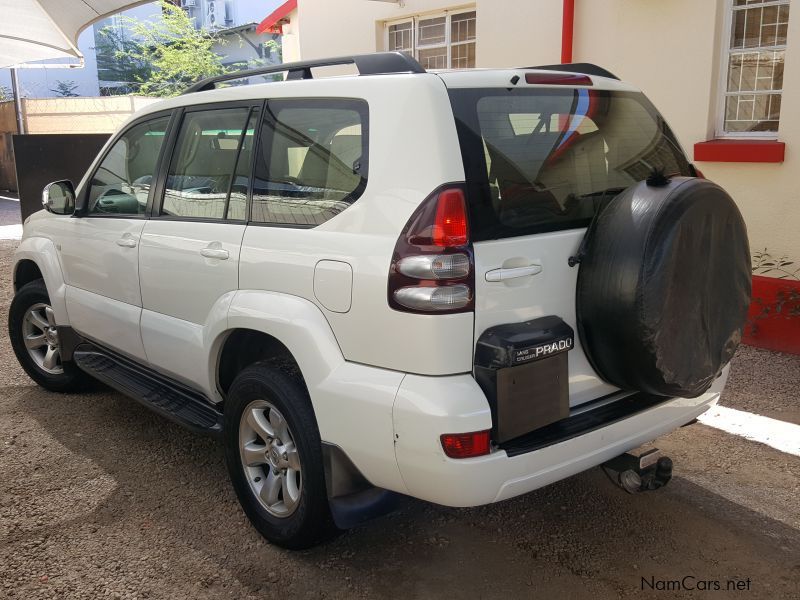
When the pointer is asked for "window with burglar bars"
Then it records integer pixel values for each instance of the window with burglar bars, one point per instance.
(437, 42)
(755, 56)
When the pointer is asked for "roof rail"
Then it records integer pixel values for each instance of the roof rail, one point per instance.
(585, 68)
(376, 63)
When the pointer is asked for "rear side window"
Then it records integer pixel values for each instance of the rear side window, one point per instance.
(311, 162)
(209, 174)
(545, 159)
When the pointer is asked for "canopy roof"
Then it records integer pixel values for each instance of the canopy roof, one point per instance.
(32, 30)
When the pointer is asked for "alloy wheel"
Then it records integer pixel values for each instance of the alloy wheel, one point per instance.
(40, 335)
(270, 459)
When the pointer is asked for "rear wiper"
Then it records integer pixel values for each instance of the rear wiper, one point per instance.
(613, 192)
(606, 192)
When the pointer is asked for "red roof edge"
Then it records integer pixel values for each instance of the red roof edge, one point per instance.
(273, 20)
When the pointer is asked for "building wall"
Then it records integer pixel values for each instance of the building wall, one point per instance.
(673, 52)
(82, 117)
(671, 49)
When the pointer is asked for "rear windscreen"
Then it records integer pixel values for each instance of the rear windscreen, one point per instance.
(541, 160)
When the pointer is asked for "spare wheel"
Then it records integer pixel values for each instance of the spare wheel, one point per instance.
(664, 287)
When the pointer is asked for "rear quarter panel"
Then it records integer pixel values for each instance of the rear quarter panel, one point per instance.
(413, 149)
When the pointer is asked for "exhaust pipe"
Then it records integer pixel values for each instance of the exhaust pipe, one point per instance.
(639, 473)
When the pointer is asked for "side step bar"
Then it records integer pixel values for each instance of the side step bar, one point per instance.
(166, 397)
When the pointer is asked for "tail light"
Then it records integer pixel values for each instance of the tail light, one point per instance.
(433, 269)
(466, 445)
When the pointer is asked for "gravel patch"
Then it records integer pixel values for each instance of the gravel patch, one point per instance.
(103, 499)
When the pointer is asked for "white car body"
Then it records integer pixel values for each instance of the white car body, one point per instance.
(384, 384)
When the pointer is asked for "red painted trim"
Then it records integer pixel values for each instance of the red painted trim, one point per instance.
(773, 321)
(272, 20)
(567, 31)
(757, 151)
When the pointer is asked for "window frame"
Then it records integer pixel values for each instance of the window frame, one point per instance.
(83, 204)
(726, 53)
(362, 108)
(157, 200)
(448, 43)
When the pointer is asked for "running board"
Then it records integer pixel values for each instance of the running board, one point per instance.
(159, 393)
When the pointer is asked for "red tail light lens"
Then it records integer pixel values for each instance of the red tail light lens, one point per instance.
(433, 269)
(450, 225)
(466, 445)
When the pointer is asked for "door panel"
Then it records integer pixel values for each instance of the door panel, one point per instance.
(100, 250)
(99, 257)
(540, 164)
(535, 293)
(186, 266)
(113, 323)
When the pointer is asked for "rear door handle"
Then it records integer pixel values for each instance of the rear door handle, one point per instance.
(513, 273)
(214, 250)
(127, 241)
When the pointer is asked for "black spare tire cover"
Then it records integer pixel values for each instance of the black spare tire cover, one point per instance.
(664, 287)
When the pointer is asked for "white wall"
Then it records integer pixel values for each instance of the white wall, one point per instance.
(671, 49)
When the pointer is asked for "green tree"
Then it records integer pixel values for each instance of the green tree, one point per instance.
(168, 54)
(5, 94)
(65, 89)
(120, 60)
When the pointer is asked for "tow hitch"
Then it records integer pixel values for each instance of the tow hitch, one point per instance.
(639, 472)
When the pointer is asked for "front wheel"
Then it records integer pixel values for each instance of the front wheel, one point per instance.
(34, 337)
(274, 457)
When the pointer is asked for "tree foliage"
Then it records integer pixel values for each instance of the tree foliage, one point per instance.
(120, 60)
(65, 89)
(165, 56)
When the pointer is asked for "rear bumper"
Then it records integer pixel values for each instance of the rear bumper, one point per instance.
(426, 407)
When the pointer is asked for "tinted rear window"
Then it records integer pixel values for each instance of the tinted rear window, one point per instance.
(545, 159)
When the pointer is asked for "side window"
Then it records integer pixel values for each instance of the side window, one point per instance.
(121, 184)
(312, 160)
(209, 174)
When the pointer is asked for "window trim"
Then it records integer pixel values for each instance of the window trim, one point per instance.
(166, 161)
(267, 115)
(83, 203)
(448, 43)
(724, 65)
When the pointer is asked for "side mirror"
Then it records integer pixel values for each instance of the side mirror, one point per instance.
(59, 198)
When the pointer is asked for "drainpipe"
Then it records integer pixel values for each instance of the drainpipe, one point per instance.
(17, 101)
(567, 29)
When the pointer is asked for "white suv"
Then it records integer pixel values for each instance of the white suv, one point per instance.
(459, 286)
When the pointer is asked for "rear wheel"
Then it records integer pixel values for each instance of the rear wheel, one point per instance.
(274, 457)
(34, 337)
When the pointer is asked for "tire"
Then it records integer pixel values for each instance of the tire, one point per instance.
(30, 316)
(664, 287)
(261, 399)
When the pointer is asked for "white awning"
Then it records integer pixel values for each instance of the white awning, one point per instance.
(33, 30)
